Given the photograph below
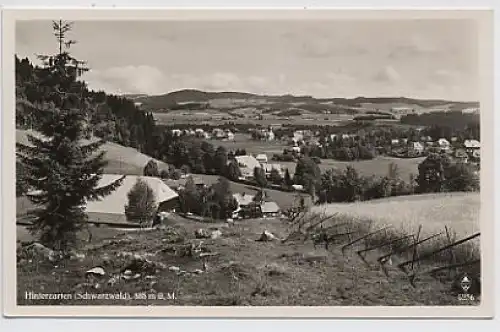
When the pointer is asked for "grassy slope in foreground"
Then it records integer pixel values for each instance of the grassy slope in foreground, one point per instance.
(244, 272)
(458, 211)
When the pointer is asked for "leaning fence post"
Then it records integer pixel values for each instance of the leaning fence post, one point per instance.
(415, 248)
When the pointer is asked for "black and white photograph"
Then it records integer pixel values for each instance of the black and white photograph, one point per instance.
(258, 162)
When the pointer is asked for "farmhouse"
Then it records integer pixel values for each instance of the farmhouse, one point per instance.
(416, 147)
(244, 202)
(247, 165)
(471, 145)
(200, 133)
(269, 167)
(443, 144)
(111, 208)
(261, 158)
(265, 134)
(270, 210)
(218, 133)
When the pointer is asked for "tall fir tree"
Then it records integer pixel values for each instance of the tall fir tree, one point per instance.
(62, 170)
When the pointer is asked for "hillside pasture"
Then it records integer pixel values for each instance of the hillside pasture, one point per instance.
(457, 211)
(441, 219)
(121, 160)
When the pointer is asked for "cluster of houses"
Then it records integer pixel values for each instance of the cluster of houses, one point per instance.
(250, 207)
(222, 134)
(264, 134)
(248, 163)
(470, 149)
(217, 133)
(198, 132)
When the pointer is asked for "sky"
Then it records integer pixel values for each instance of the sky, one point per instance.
(335, 58)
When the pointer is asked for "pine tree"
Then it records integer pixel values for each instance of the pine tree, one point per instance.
(288, 178)
(62, 171)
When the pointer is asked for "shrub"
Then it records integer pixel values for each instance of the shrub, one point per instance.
(141, 205)
(165, 174)
(276, 177)
(151, 169)
(461, 177)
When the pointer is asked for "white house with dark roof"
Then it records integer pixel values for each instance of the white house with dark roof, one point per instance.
(471, 145)
(261, 158)
(247, 165)
(444, 144)
(111, 209)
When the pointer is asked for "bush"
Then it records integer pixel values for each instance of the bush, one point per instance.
(151, 169)
(461, 177)
(176, 174)
(165, 174)
(276, 177)
(141, 205)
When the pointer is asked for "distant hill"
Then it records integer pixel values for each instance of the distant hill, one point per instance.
(135, 96)
(233, 100)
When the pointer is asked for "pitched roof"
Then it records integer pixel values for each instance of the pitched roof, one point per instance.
(116, 201)
(268, 167)
(472, 143)
(243, 199)
(269, 207)
(248, 161)
(443, 141)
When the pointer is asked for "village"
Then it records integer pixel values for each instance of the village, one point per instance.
(257, 205)
(227, 195)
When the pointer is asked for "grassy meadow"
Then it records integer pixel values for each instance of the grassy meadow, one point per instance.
(458, 211)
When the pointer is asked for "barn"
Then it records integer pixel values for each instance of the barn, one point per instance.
(111, 209)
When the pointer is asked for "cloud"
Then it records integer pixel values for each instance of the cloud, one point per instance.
(126, 79)
(320, 45)
(151, 80)
(416, 45)
(387, 74)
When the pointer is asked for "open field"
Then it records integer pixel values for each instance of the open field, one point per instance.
(241, 271)
(458, 211)
(378, 166)
(207, 117)
(437, 219)
(121, 159)
(243, 141)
